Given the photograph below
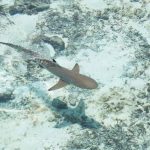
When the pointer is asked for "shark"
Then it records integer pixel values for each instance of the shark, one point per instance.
(66, 75)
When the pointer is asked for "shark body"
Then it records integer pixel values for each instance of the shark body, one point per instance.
(66, 76)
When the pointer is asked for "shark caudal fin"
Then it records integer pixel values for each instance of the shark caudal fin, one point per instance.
(58, 85)
(76, 68)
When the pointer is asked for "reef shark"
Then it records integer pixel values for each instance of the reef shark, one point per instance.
(66, 76)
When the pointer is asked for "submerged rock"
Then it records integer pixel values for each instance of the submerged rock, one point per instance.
(59, 104)
(55, 41)
(2, 10)
(4, 97)
(28, 8)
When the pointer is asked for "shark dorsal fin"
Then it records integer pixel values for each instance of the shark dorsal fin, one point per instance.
(76, 68)
(58, 85)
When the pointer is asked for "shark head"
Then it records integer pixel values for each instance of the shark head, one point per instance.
(86, 82)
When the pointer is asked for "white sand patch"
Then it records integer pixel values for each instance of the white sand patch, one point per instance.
(26, 23)
(57, 4)
(6, 82)
(148, 7)
(7, 2)
(94, 4)
(23, 26)
(137, 83)
(22, 134)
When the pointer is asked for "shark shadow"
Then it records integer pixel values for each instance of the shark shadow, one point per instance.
(76, 115)
(69, 115)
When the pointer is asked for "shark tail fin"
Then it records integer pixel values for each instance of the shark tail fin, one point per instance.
(58, 85)
(76, 68)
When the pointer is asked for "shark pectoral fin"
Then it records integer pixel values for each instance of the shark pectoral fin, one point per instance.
(58, 85)
(76, 68)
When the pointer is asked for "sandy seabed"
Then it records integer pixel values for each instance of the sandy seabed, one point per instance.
(110, 40)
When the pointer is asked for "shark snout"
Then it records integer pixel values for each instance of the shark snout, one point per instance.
(92, 84)
(87, 82)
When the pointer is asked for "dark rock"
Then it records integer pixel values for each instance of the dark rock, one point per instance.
(57, 43)
(134, 0)
(59, 104)
(15, 10)
(35, 1)
(139, 13)
(2, 10)
(28, 8)
(42, 8)
(147, 46)
(103, 17)
(4, 97)
(1, 59)
(148, 87)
